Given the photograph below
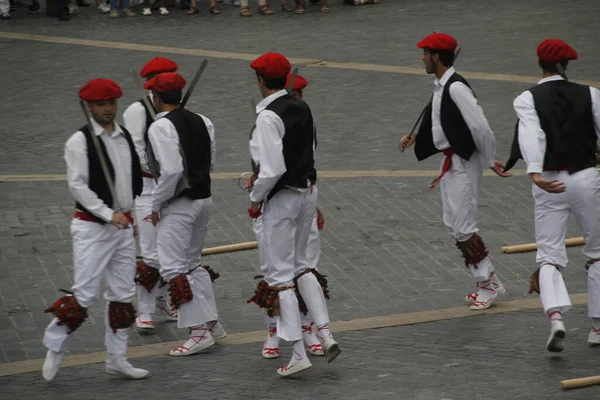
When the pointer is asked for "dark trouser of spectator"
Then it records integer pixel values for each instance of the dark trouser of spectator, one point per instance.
(62, 10)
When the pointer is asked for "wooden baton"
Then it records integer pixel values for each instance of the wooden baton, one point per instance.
(230, 248)
(523, 248)
(579, 382)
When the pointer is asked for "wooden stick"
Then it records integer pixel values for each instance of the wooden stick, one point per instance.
(230, 248)
(523, 248)
(579, 382)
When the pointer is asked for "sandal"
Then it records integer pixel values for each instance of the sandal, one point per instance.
(192, 11)
(324, 8)
(265, 10)
(245, 12)
(215, 10)
(286, 8)
(300, 10)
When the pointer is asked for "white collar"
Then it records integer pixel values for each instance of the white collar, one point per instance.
(442, 82)
(269, 99)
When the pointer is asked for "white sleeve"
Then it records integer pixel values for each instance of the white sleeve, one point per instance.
(76, 158)
(596, 109)
(213, 143)
(532, 139)
(134, 119)
(475, 119)
(269, 134)
(165, 144)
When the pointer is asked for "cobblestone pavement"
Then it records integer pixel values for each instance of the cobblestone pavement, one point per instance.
(489, 357)
(384, 246)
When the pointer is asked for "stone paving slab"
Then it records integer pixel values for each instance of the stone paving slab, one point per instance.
(499, 357)
(384, 248)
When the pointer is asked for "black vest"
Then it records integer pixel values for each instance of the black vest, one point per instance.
(297, 143)
(96, 179)
(195, 143)
(455, 128)
(565, 113)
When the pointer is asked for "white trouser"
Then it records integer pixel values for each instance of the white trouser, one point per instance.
(99, 251)
(313, 247)
(147, 237)
(181, 234)
(4, 7)
(459, 190)
(582, 198)
(287, 220)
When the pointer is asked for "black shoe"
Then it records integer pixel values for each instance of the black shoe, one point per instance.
(81, 3)
(64, 16)
(185, 5)
(34, 8)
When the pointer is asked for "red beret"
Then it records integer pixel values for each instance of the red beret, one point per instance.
(299, 83)
(158, 65)
(165, 82)
(100, 89)
(555, 51)
(271, 65)
(438, 41)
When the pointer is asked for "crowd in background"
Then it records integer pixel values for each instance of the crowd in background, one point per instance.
(117, 8)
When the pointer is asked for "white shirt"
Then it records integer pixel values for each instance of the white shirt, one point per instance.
(134, 119)
(266, 148)
(119, 155)
(165, 144)
(532, 139)
(471, 112)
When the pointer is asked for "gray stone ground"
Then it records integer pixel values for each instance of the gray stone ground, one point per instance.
(384, 246)
(489, 357)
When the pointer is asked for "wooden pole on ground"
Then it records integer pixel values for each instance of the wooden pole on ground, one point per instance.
(230, 248)
(579, 382)
(523, 248)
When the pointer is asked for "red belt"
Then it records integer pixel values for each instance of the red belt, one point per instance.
(90, 218)
(445, 167)
(146, 175)
(556, 169)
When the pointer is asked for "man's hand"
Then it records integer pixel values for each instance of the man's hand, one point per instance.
(249, 183)
(498, 169)
(155, 218)
(554, 186)
(120, 220)
(407, 141)
(254, 210)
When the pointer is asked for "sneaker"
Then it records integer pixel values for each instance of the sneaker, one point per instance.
(73, 9)
(291, 369)
(498, 286)
(485, 296)
(114, 14)
(557, 334)
(594, 337)
(147, 11)
(164, 11)
(128, 13)
(271, 345)
(144, 324)
(200, 339)
(313, 345)
(122, 367)
(52, 363)
(103, 8)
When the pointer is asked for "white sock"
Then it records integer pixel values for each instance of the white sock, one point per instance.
(596, 323)
(299, 352)
(555, 316)
(324, 332)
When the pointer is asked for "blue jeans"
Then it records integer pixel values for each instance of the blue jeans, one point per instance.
(114, 4)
